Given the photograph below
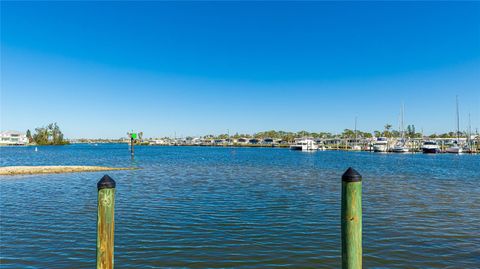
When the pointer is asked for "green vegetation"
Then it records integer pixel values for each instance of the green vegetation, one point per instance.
(49, 135)
(410, 133)
(290, 136)
(386, 131)
(449, 135)
(346, 134)
(29, 136)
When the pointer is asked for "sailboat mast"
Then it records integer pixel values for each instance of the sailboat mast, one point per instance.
(469, 131)
(355, 131)
(403, 125)
(458, 123)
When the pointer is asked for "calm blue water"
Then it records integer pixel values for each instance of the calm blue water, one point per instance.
(200, 207)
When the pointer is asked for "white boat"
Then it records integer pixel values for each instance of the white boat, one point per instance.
(430, 147)
(305, 144)
(381, 144)
(400, 148)
(454, 148)
(356, 147)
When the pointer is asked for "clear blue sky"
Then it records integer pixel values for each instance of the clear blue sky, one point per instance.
(100, 69)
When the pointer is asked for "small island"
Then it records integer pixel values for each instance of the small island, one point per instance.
(47, 135)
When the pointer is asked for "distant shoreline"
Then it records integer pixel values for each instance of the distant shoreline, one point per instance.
(416, 148)
(55, 169)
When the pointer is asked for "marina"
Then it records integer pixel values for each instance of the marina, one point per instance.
(381, 144)
(467, 143)
(401, 144)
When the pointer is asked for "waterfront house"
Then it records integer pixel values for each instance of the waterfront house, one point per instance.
(271, 141)
(206, 141)
(161, 141)
(268, 141)
(241, 140)
(219, 141)
(13, 138)
(253, 141)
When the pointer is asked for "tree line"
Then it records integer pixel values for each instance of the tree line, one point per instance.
(409, 132)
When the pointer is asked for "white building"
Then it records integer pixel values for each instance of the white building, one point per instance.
(161, 141)
(13, 138)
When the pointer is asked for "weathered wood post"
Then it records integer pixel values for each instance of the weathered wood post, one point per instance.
(351, 218)
(105, 222)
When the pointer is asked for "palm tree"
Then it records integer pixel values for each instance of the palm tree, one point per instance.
(387, 129)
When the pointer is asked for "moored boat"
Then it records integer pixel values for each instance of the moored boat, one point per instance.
(399, 148)
(305, 144)
(356, 147)
(381, 144)
(454, 148)
(430, 147)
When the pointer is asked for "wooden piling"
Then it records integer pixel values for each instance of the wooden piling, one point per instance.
(351, 219)
(105, 222)
(132, 144)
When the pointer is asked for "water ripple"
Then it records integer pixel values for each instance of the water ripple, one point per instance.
(245, 208)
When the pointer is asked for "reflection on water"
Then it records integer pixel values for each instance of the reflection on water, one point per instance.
(197, 207)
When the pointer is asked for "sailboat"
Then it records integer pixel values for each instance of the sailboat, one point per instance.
(455, 147)
(469, 147)
(400, 146)
(355, 146)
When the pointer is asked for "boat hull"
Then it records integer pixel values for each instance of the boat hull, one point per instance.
(357, 148)
(455, 150)
(430, 150)
(400, 150)
(304, 148)
(379, 148)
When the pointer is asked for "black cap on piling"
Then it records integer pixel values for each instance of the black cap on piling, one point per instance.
(351, 175)
(106, 183)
